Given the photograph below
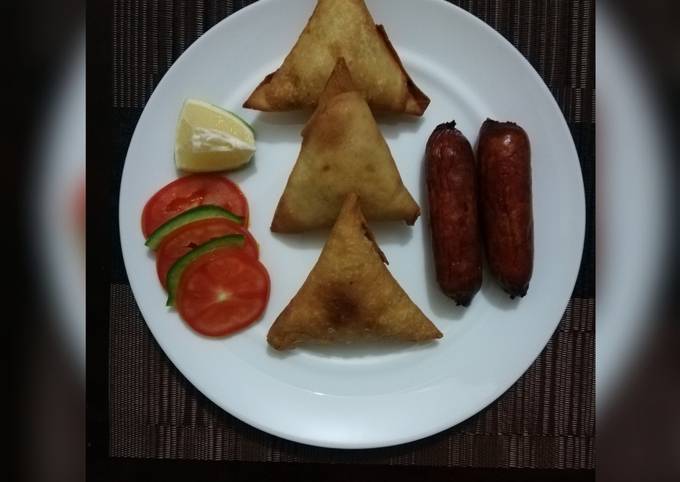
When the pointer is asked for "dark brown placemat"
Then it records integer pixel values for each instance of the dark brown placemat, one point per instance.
(546, 420)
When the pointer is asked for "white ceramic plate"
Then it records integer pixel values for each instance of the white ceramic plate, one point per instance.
(364, 397)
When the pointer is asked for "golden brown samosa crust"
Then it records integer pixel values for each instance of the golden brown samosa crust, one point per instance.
(417, 101)
(350, 295)
(340, 28)
(339, 82)
(342, 151)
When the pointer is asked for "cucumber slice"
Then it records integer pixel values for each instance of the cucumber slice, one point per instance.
(194, 214)
(175, 273)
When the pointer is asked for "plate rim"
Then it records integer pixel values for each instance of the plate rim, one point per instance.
(376, 441)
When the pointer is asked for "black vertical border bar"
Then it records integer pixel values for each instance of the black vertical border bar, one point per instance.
(99, 151)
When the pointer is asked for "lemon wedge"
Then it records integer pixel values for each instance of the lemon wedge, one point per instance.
(211, 139)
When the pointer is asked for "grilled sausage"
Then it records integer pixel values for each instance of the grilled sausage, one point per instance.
(452, 195)
(504, 163)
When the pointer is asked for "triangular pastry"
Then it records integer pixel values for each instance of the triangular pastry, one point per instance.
(350, 295)
(340, 28)
(342, 151)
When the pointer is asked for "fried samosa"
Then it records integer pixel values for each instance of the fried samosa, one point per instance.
(340, 28)
(342, 151)
(350, 295)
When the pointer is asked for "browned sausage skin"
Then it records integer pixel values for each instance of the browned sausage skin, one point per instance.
(504, 162)
(452, 195)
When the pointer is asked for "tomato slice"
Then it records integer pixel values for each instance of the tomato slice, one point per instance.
(181, 241)
(191, 191)
(222, 292)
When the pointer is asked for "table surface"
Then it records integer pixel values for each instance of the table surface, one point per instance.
(142, 408)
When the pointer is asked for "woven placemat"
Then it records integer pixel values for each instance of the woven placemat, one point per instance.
(545, 420)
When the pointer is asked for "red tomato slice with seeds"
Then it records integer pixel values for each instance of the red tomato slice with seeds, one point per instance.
(191, 191)
(222, 292)
(181, 241)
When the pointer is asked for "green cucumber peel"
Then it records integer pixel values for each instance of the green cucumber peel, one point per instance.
(175, 274)
(205, 211)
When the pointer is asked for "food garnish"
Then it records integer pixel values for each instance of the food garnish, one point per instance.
(211, 139)
(188, 192)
